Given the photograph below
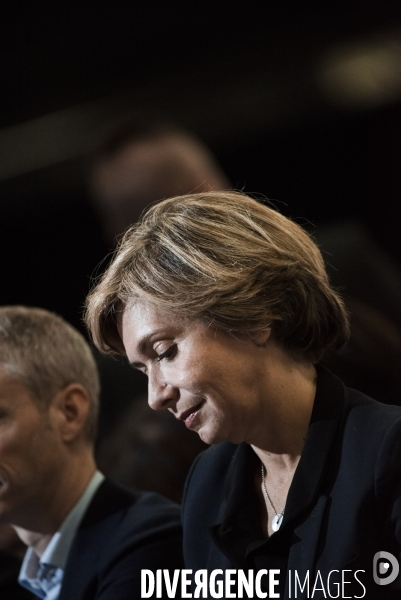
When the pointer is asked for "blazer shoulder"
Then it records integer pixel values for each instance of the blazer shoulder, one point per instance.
(133, 517)
(213, 463)
(388, 464)
(374, 417)
(204, 488)
(121, 534)
(357, 398)
(370, 442)
(152, 515)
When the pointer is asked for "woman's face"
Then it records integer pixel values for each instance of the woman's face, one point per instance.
(212, 381)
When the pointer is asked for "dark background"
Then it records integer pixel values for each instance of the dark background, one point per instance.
(298, 101)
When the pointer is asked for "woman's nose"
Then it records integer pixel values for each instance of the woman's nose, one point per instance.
(161, 395)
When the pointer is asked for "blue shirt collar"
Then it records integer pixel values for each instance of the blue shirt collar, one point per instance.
(56, 553)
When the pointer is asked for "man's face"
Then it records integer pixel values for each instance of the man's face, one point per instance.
(30, 454)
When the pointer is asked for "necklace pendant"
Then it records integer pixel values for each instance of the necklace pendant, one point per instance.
(276, 521)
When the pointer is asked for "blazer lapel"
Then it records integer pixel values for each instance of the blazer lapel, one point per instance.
(99, 523)
(79, 582)
(302, 557)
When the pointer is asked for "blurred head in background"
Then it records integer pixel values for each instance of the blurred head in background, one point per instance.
(143, 163)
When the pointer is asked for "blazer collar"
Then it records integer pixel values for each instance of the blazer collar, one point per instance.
(316, 458)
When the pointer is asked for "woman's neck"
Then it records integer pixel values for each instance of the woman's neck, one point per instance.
(279, 437)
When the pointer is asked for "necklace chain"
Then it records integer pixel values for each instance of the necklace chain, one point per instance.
(278, 516)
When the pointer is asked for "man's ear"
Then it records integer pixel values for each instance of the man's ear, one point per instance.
(260, 338)
(71, 406)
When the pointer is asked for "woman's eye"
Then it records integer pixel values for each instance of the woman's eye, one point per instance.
(169, 353)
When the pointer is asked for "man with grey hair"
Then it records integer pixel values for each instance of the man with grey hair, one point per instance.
(87, 538)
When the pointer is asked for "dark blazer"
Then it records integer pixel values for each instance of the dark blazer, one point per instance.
(9, 587)
(120, 534)
(344, 504)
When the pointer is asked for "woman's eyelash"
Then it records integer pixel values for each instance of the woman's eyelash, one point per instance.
(169, 353)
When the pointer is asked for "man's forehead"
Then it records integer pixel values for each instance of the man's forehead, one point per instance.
(11, 383)
(10, 371)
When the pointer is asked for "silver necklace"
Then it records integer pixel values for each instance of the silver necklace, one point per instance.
(278, 516)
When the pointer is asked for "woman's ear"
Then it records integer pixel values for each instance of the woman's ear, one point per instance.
(260, 338)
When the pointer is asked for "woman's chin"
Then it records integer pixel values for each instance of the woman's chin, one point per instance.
(210, 436)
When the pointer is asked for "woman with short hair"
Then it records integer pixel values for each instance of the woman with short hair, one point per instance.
(226, 305)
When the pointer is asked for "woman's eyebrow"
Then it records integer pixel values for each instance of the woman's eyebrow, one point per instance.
(136, 365)
(144, 341)
(142, 345)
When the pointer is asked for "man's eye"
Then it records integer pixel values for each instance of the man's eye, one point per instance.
(169, 353)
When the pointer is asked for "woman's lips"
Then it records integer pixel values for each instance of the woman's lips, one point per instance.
(190, 415)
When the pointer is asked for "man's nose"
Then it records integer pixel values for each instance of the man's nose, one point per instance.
(161, 394)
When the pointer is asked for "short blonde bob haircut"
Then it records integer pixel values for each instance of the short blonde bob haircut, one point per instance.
(229, 260)
(45, 354)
